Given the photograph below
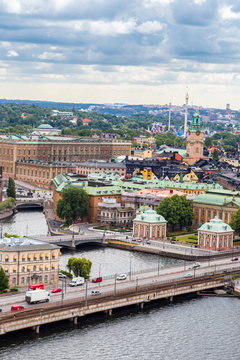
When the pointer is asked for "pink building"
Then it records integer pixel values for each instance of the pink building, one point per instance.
(215, 235)
(149, 225)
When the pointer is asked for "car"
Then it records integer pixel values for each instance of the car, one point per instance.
(96, 280)
(62, 276)
(234, 258)
(133, 239)
(148, 242)
(188, 275)
(121, 277)
(56, 290)
(95, 292)
(139, 240)
(17, 307)
(194, 266)
(0, 310)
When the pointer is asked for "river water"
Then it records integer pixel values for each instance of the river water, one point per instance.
(200, 328)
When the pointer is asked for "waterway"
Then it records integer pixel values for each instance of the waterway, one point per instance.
(200, 328)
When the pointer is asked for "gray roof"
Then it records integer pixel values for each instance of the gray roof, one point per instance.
(104, 164)
(24, 244)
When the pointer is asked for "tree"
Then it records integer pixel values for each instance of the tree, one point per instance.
(3, 280)
(11, 192)
(177, 210)
(215, 155)
(235, 222)
(74, 204)
(79, 267)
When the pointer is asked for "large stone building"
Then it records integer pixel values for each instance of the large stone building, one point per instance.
(111, 212)
(27, 261)
(215, 235)
(16, 148)
(41, 173)
(221, 203)
(93, 166)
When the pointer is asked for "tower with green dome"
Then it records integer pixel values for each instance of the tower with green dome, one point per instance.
(195, 140)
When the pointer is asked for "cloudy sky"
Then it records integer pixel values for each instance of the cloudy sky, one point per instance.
(131, 51)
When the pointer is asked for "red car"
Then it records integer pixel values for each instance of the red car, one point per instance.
(56, 290)
(17, 307)
(234, 258)
(96, 280)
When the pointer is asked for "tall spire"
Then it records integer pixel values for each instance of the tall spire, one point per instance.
(169, 118)
(186, 114)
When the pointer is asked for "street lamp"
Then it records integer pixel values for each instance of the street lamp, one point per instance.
(130, 272)
(86, 294)
(158, 262)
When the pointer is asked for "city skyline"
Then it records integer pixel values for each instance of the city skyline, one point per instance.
(139, 52)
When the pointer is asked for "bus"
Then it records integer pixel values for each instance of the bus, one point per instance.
(36, 287)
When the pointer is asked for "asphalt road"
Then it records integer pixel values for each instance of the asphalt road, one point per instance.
(162, 275)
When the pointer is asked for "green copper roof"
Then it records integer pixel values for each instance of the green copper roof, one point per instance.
(150, 216)
(216, 225)
(214, 199)
(45, 126)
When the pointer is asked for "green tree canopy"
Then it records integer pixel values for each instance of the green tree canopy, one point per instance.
(3, 280)
(79, 267)
(11, 192)
(235, 222)
(74, 204)
(177, 210)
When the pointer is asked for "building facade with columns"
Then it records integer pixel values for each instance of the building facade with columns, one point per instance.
(215, 235)
(223, 204)
(149, 225)
(27, 261)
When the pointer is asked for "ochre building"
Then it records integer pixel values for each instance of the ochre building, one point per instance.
(16, 148)
(27, 261)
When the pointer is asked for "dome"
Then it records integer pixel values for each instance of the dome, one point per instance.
(150, 216)
(216, 225)
(44, 126)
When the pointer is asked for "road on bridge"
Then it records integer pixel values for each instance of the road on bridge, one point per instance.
(110, 284)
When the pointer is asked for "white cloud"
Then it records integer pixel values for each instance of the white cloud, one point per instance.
(12, 53)
(46, 55)
(226, 13)
(149, 27)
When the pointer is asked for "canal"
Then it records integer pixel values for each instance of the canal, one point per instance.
(199, 328)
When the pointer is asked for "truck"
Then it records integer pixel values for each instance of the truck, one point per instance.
(77, 281)
(36, 296)
(36, 287)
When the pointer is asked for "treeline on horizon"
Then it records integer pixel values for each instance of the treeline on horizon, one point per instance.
(126, 127)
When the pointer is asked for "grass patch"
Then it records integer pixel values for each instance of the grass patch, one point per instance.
(193, 239)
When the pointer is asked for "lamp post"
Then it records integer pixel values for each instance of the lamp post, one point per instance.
(62, 289)
(130, 272)
(86, 294)
(158, 262)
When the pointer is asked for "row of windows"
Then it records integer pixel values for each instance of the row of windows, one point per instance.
(27, 280)
(28, 268)
(29, 257)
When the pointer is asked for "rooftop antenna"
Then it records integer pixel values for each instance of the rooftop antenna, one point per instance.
(186, 114)
(169, 118)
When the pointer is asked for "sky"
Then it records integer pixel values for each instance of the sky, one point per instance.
(121, 51)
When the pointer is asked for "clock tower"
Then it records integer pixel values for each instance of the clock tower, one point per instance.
(195, 141)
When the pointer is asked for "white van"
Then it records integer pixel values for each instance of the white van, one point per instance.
(77, 281)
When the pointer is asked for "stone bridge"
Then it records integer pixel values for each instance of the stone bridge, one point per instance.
(72, 241)
(29, 203)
